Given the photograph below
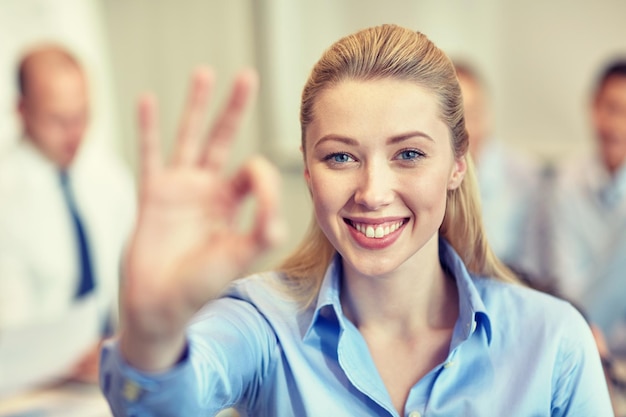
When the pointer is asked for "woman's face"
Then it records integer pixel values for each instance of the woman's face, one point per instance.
(379, 164)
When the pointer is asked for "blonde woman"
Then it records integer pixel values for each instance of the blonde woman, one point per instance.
(393, 305)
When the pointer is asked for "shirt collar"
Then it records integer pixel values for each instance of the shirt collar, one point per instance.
(328, 297)
(472, 311)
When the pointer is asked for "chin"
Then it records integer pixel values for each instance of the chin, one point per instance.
(372, 266)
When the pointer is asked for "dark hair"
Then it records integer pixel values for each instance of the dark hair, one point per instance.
(615, 68)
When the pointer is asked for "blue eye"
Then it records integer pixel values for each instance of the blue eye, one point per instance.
(339, 158)
(409, 155)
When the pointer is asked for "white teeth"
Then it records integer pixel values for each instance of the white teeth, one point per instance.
(377, 231)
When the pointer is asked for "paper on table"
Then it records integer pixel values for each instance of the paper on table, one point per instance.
(44, 352)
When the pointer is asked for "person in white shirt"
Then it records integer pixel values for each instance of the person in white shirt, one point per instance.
(508, 180)
(588, 214)
(58, 285)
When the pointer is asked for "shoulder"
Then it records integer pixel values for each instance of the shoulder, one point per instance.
(258, 305)
(266, 291)
(25, 176)
(537, 325)
(17, 163)
(551, 338)
(9, 171)
(517, 308)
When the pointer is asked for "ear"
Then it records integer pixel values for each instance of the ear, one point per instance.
(458, 173)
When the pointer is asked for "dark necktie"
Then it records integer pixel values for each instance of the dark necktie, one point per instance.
(86, 283)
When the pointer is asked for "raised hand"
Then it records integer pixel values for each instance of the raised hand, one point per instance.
(187, 245)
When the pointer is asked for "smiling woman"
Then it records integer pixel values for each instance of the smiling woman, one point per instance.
(393, 305)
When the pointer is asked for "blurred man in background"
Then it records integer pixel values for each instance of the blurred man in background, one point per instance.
(508, 181)
(588, 214)
(66, 208)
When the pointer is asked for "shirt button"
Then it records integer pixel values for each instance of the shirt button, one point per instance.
(131, 391)
(415, 414)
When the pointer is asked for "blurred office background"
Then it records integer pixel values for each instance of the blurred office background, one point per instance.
(538, 57)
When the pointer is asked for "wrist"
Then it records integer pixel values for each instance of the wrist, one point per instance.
(152, 354)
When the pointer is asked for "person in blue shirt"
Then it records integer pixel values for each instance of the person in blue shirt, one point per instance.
(393, 305)
(586, 213)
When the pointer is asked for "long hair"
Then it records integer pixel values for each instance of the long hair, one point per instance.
(390, 51)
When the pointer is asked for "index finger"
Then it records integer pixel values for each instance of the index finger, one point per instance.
(217, 147)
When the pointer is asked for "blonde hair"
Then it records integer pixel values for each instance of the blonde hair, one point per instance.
(390, 51)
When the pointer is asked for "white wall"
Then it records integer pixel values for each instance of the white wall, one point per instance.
(549, 56)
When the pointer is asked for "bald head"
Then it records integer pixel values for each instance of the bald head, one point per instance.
(53, 102)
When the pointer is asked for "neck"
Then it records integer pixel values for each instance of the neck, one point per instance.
(416, 296)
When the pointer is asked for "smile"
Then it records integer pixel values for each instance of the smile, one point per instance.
(377, 231)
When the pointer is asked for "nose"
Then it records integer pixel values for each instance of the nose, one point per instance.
(375, 186)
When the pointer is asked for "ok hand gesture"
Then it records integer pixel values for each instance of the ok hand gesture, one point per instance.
(186, 246)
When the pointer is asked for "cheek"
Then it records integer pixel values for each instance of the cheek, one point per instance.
(427, 195)
(322, 192)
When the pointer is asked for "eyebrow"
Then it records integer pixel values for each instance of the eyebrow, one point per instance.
(390, 141)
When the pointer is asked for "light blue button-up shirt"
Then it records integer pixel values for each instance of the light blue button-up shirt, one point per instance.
(514, 352)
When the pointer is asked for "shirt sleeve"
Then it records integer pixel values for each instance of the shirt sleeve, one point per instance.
(579, 385)
(230, 351)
